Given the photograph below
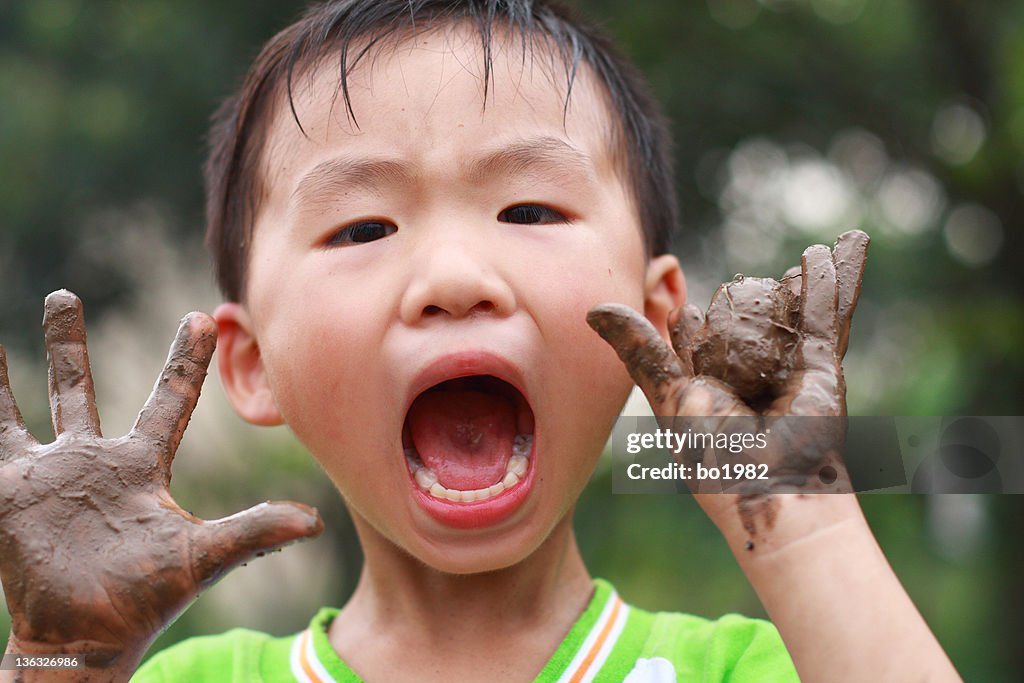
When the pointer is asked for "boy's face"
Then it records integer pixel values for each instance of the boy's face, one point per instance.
(441, 239)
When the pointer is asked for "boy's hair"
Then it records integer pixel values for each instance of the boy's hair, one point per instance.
(238, 134)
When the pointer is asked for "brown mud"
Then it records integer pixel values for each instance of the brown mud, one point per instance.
(748, 335)
(649, 361)
(96, 558)
(765, 348)
(754, 508)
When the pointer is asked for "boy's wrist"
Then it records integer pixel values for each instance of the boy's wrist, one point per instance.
(821, 576)
(758, 525)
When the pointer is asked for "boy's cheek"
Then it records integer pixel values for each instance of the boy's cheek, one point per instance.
(344, 429)
(569, 308)
(314, 381)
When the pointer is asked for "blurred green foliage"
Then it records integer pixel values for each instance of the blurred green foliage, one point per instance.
(793, 119)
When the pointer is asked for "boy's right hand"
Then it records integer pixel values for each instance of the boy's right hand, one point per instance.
(96, 558)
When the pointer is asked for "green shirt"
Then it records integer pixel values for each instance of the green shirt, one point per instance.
(611, 641)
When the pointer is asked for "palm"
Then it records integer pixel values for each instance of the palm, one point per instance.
(95, 555)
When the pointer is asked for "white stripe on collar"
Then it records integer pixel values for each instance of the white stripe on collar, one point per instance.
(306, 666)
(599, 643)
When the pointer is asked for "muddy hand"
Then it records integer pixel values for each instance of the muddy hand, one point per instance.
(96, 558)
(805, 386)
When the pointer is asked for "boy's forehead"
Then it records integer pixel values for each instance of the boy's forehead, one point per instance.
(424, 91)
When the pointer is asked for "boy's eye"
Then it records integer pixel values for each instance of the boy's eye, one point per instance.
(531, 214)
(365, 231)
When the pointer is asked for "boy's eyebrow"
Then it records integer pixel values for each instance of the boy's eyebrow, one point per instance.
(532, 153)
(341, 173)
(539, 153)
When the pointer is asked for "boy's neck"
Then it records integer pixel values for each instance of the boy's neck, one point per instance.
(520, 612)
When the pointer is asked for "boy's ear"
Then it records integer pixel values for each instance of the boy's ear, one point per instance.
(241, 367)
(664, 290)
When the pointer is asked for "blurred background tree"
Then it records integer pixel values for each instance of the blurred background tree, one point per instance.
(794, 120)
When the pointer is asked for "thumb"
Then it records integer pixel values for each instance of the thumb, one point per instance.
(223, 544)
(649, 360)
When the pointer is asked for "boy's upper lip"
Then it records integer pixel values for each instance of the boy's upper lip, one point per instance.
(465, 364)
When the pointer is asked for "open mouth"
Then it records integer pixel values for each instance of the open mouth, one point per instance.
(469, 440)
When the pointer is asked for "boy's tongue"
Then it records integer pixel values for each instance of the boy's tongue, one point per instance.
(464, 436)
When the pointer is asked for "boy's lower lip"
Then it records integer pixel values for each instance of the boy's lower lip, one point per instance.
(478, 514)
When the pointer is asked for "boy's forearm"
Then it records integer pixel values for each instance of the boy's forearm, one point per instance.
(826, 585)
(118, 671)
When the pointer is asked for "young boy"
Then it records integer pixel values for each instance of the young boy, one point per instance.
(413, 207)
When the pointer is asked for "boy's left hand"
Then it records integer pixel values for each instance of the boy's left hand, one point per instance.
(817, 568)
(802, 455)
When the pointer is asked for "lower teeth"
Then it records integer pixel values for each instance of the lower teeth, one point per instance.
(515, 470)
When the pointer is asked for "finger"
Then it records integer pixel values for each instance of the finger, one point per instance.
(818, 294)
(225, 543)
(72, 397)
(849, 258)
(816, 386)
(14, 437)
(167, 411)
(649, 360)
(793, 279)
(683, 326)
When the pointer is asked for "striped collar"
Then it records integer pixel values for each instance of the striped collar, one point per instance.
(306, 666)
(586, 648)
(599, 641)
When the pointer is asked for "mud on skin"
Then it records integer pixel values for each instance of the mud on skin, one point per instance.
(764, 349)
(748, 333)
(96, 558)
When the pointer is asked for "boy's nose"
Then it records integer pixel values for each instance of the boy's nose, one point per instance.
(453, 280)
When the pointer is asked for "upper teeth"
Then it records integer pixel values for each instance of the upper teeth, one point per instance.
(515, 470)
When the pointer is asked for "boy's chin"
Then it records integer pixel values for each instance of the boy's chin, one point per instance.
(492, 556)
(475, 566)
